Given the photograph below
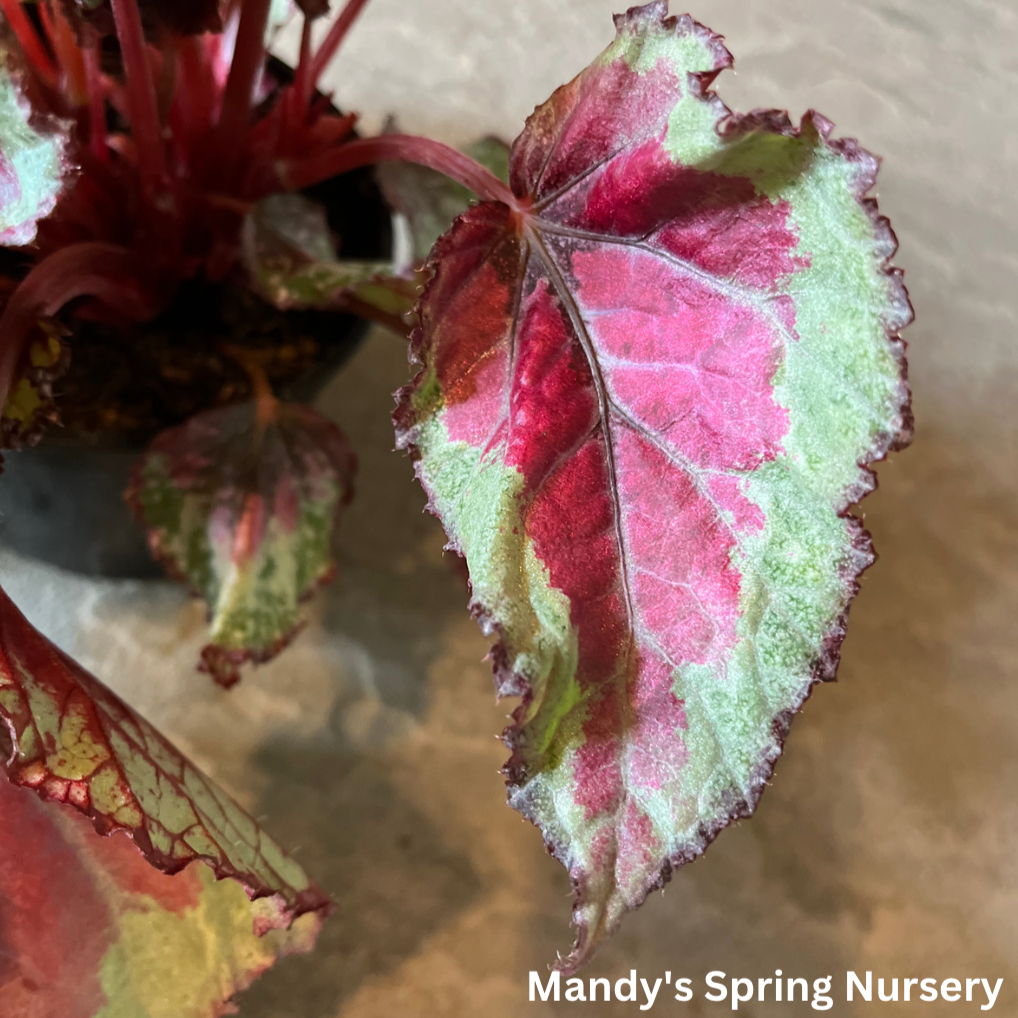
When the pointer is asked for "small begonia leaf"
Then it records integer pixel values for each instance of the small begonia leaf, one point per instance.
(243, 508)
(91, 930)
(75, 742)
(648, 396)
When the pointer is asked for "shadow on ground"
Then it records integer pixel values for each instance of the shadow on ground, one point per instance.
(391, 875)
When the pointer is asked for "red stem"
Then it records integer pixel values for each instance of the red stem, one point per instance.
(141, 95)
(92, 268)
(194, 85)
(335, 37)
(248, 60)
(96, 104)
(68, 53)
(28, 39)
(410, 148)
(304, 79)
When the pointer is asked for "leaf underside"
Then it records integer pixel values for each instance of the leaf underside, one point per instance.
(244, 510)
(646, 402)
(91, 930)
(75, 742)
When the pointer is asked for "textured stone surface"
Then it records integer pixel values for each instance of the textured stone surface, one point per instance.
(890, 838)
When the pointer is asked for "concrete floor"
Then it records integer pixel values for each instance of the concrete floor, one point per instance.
(889, 841)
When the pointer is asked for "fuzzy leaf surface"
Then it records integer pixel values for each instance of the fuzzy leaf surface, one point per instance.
(33, 160)
(75, 742)
(88, 929)
(647, 398)
(243, 508)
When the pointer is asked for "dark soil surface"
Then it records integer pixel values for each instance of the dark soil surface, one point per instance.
(129, 383)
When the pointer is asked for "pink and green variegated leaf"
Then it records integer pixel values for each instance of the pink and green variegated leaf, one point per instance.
(242, 503)
(75, 742)
(88, 929)
(33, 159)
(649, 393)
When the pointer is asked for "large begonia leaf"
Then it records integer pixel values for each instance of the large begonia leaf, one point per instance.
(75, 742)
(242, 504)
(648, 396)
(88, 929)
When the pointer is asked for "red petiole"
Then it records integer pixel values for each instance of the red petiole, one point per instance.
(298, 174)
(141, 96)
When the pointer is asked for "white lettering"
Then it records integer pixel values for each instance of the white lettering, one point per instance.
(650, 994)
(894, 991)
(792, 983)
(821, 1002)
(866, 991)
(909, 983)
(627, 984)
(991, 998)
(574, 990)
(554, 982)
(683, 989)
(737, 997)
(929, 989)
(950, 989)
(716, 984)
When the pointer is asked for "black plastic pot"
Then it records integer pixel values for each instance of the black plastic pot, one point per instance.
(62, 501)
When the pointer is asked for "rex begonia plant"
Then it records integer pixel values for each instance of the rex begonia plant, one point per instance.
(655, 361)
